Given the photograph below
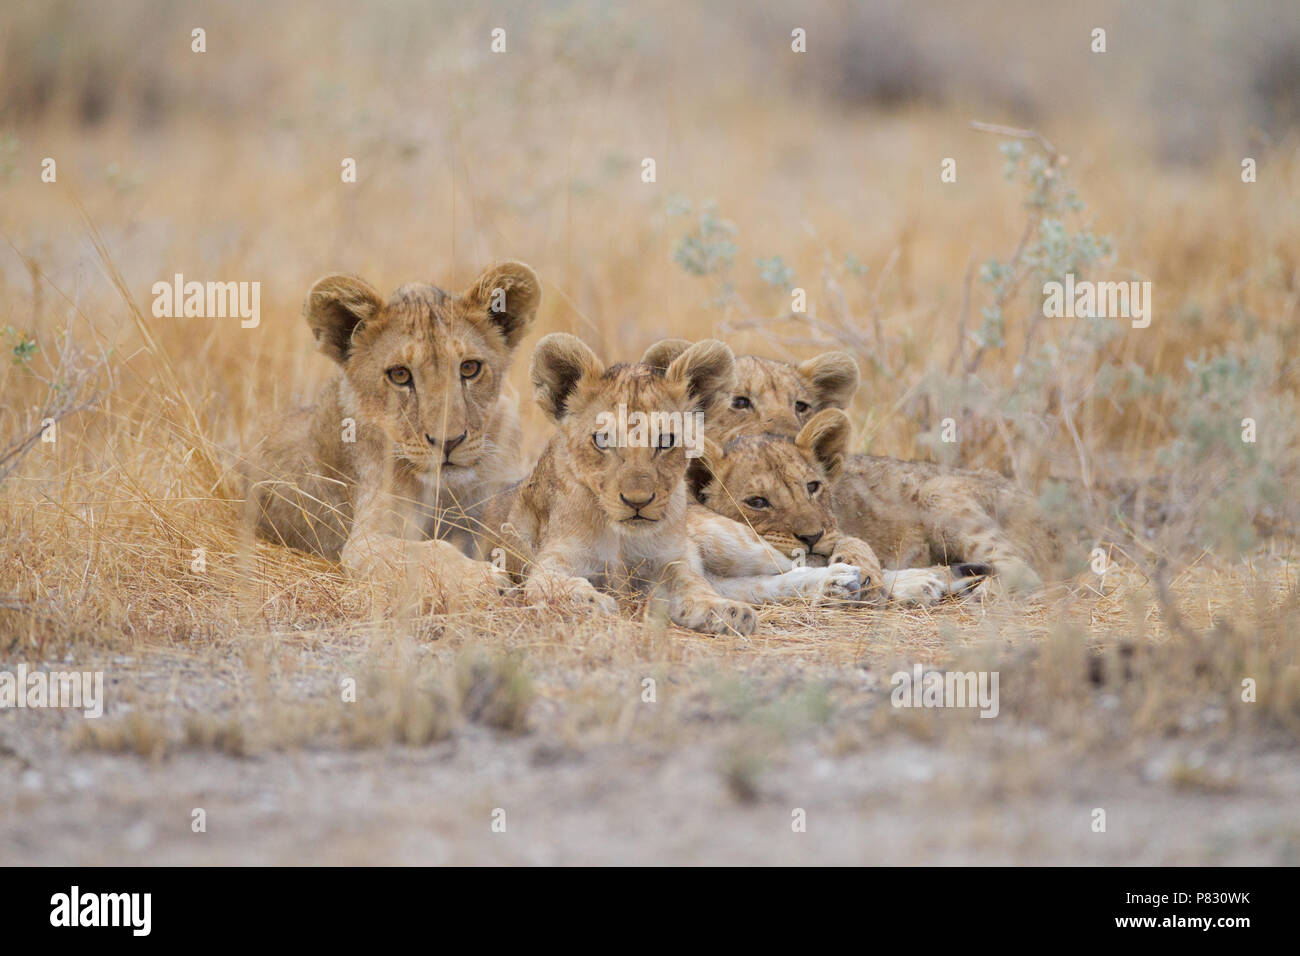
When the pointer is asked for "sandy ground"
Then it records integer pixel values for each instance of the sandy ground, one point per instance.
(713, 771)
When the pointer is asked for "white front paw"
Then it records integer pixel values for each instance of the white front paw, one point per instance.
(917, 586)
(841, 582)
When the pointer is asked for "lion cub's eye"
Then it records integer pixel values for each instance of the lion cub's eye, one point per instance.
(399, 375)
(470, 368)
(741, 402)
(667, 440)
(757, 501)
(814, 487)
(600, 440)
(801, 407)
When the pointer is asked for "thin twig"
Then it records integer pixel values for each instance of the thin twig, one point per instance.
(1017, 133)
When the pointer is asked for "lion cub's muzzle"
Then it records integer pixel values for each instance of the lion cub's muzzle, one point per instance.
(640, 507)
(789, 544)
(809, 541)
(637, 508)
(456, 450)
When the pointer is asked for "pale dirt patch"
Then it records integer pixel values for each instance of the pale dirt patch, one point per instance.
(743, 732)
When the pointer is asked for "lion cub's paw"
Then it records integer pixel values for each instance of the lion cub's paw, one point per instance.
(573, 593)
(714, 615)
(843, 582)
(859, 554)
(457, 583)
(483, 577)
(921, 587)
(1007, 579)
(1017, 577)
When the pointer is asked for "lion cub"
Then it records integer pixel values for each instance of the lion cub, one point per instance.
(783, 489)
(911, 513)
(391, 464)
(597, 510)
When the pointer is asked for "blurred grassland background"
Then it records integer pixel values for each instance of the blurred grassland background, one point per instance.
(774, 170)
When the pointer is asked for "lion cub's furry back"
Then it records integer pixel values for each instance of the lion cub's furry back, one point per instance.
(917, 512)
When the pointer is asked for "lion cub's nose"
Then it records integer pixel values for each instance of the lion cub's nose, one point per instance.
(810, 539)
(450, 444)
(636, 505)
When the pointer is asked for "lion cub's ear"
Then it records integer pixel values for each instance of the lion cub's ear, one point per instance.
(509, 292)
(704, 468)
(662, 353)
(707, 369)
(560, 362)
(336, 307)
(832, 377)
(826, 437)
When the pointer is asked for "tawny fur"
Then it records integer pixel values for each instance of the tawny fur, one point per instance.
(782, 489)
(590, 517)
(405, 495)
(910, 513)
